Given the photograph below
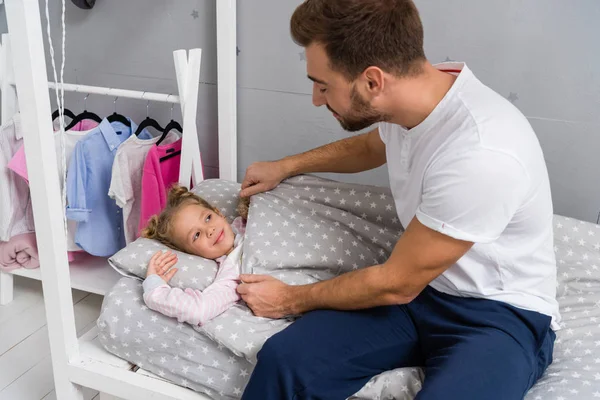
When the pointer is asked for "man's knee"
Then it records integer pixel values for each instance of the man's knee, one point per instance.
(279, 351)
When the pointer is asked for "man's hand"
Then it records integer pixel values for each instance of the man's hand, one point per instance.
(266, 296)
(262, 176)
(161, 263)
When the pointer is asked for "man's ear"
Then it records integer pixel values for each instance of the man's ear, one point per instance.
(375, 79)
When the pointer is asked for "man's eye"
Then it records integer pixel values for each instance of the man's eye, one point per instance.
(322, 90)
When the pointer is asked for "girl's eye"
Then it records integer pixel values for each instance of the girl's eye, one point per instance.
(208, 218)
(196, 235)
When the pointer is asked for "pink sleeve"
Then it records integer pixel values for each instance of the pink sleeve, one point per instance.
(150, 202)
(193, 306)
(18, 164)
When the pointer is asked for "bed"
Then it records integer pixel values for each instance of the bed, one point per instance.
(218, 360)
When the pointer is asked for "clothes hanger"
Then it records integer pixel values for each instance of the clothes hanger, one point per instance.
(84, 115)
(66, 113)
(148, 122)
(114, 117)
(170, 126)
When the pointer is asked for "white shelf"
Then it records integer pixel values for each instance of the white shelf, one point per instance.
(88, 273)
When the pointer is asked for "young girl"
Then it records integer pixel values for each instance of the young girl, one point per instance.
(191, 225)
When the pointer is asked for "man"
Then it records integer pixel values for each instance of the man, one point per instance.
(469, 289)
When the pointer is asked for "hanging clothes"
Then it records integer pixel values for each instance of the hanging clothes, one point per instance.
(157, 177)
(126, 181)
(19, 166)
(19, 163)
(16, 212)
(100, 222)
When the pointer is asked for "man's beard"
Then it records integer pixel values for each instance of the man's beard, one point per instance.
(362, 115)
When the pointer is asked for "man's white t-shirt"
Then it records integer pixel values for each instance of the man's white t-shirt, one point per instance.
(474, 170)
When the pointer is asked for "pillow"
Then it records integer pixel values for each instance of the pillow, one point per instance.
(193, 271)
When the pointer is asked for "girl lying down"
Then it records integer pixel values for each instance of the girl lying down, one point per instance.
(191, 225)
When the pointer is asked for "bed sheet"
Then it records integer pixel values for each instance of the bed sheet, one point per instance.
(188, 358)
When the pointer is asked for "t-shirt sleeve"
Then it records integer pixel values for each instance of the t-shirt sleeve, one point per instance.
(118, 189)
(473, 196)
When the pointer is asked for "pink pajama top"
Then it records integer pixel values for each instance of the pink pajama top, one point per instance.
(194, 306)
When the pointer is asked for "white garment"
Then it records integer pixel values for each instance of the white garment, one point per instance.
(126, 181)
(16, 212)
(474, 170)
(71, 139)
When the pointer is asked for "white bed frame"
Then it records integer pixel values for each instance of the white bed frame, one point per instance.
(83, 362)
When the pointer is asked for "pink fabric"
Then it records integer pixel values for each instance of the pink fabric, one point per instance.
(157, 177)
(19, 252)
(18, 163)
(198, 307)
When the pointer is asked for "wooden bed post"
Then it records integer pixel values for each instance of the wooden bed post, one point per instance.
(29, 66)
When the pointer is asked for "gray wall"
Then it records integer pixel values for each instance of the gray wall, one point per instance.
(541, 54)
(537, 53)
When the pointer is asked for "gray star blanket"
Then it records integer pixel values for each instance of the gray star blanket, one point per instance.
(308, 229)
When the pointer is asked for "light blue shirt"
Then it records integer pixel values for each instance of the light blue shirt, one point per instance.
(100, 220)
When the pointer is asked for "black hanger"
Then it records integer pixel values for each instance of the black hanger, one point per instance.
(148, 122)
(170, 126)
(66, 113)
(83, 116)
(115, 117)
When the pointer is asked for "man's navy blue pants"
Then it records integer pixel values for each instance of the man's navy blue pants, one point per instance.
(471, 349)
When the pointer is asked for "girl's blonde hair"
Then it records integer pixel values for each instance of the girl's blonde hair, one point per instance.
(160, 226)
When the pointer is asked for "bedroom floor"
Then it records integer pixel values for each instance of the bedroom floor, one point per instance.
(25, 365)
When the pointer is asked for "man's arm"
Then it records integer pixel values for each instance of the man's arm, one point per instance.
(420, 256)
(354, 154)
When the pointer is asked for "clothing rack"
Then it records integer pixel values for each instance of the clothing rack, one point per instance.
(23, 67)
(132, 94)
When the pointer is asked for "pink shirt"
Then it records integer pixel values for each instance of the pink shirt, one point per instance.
(157, 177)
(194, 306)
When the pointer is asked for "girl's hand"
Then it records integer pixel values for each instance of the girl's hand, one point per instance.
(161, 263)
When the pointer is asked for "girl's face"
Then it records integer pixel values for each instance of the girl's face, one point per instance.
(202, 232)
